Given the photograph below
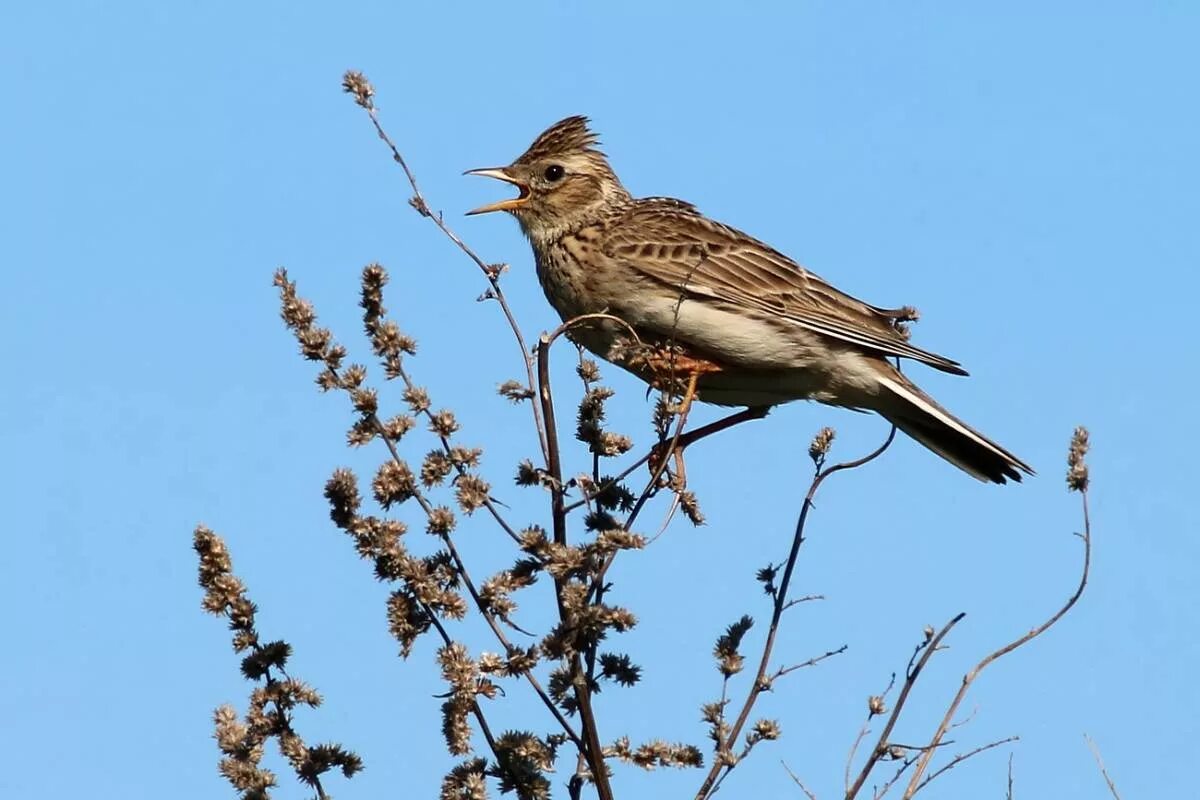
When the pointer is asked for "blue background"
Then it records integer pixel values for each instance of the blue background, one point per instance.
(1026, 177)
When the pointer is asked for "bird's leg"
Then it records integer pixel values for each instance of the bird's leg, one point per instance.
(671, 445)
(745, 415)
(677, 444)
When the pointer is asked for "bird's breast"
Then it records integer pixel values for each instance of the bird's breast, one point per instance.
(571, 271)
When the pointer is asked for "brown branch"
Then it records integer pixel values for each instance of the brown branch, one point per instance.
(597, 588)
(594, 751)
(491, 271)
(798, 782)
(958, 759)
(761, 682)
(866, 726)
(779, 673)
(927, 649)
(488, 503)
(915, 781)
(1112, 787)
(476, 709)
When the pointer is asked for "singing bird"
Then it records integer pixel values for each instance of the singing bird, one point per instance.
(753, 327)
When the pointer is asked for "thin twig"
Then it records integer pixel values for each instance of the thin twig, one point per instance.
(798, 782)
(490, 271)
(958, 759)
(761, 682)
(914, 672)
(779, 673)
(582, 691)
(476, 709)
(905, 763)
(1112, 787)
(969, 678)
(459, 468)
(866, 727)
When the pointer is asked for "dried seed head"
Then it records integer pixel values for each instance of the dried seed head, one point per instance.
(618, 668)
(417, 399)
(440, 521)
(729, 660)
(466, 781)
(355, 83)
(875, 705)
(691, 507)
(366, 401)
(471, 492)
(394, 483)
(515, 391)
(588, 370)
(1077, 468)
(443, 423)
(821, 443)
(435, 468)
(764, 730)
(374, 278)
(395, 428)
(465, 457)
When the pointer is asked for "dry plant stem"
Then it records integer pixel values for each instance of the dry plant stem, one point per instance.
(760, 679)
(287, 724)
(597, 589)
(490, 271)
(484, 728)
(685, 440)
(703, 432)
(594, 751)
(958, 759)
(910, 680)
(914, 782)
(1112, 787)
(798, 782)
(446, 448)
(610, 483)
(461, 566)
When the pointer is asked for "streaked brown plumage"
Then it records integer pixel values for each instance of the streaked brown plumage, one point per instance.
(769, 330)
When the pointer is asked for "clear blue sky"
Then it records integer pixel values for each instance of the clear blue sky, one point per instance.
(1027, 178)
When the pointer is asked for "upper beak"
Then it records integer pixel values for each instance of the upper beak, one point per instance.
(501, 174)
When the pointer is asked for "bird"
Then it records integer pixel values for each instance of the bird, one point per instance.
(746, 324)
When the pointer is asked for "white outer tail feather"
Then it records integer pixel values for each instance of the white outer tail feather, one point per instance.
(910, 394)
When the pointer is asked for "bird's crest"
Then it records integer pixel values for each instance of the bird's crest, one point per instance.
(570, 135)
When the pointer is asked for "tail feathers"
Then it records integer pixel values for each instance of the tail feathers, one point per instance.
(919, 416)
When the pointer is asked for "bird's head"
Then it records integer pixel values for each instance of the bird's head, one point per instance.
(562, 181)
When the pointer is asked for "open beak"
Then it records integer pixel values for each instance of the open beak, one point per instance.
(501, 174)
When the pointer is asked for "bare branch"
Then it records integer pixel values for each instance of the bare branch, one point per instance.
(968, 679)
(1112, 787)
(491, 271)
(761, 681)
(958, 759)
(927, 649)
(798, 782)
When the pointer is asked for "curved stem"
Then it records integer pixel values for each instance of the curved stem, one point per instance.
(761, 680)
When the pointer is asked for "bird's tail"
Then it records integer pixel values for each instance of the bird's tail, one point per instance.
(918, 415)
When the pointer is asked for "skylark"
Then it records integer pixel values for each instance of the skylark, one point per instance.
(749, 326)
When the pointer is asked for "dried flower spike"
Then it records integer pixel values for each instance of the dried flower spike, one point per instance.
(355, 83)
(1077, 468)
(820, 445)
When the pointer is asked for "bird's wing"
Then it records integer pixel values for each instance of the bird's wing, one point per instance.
(668, 242)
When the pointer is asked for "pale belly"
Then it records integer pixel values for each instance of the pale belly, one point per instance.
(763, 361)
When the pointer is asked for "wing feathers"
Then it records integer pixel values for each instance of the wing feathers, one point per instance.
(679, 248)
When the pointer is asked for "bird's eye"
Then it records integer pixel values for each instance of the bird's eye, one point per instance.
(553, 172)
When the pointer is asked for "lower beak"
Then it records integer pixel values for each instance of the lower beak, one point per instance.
(501, 174)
